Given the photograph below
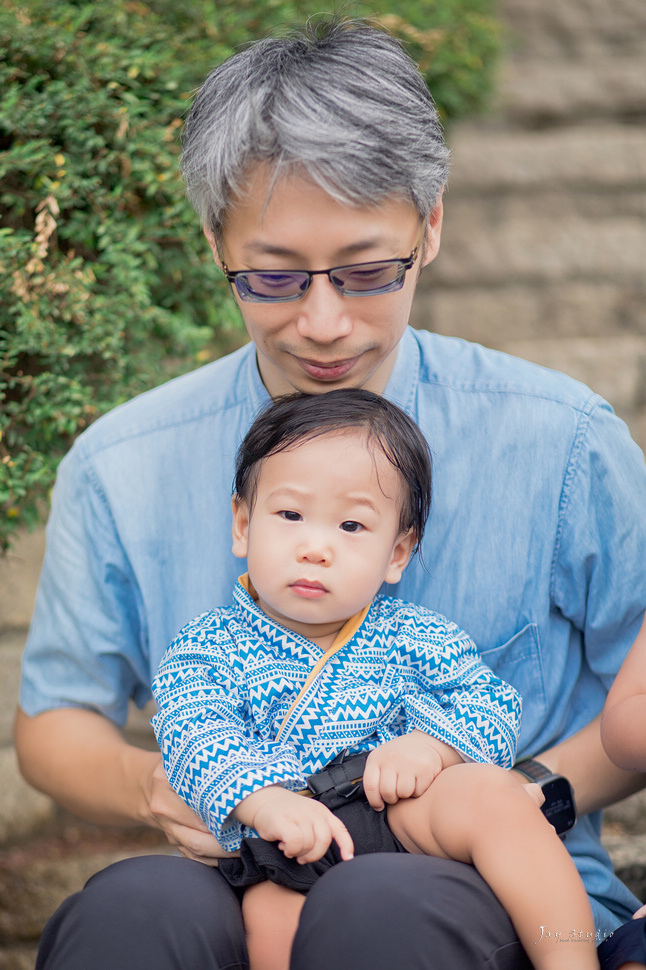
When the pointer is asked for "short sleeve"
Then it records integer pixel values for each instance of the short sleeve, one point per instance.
(86, 646)
(599, 568)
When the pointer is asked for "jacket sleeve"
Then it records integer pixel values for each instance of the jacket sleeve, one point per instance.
(211, 754)
(451, 694)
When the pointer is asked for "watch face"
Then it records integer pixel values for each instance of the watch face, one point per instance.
(558, 806)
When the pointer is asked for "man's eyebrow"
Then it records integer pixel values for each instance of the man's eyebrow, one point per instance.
(283, 252)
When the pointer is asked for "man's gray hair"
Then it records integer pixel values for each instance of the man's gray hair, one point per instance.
(339, 100)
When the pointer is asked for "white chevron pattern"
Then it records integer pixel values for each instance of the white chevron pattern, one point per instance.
(230, 677)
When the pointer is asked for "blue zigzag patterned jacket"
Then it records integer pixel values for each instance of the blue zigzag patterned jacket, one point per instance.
(244, 703)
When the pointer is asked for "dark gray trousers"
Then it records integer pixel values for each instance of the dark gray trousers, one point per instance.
(377, 912)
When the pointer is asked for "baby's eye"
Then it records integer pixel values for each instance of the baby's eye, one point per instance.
(290, 516)
(351, 526)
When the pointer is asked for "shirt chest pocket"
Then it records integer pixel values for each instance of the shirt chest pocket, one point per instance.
(519, 662)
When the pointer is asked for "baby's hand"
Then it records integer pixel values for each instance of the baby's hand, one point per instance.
(405, 767)
(303, 827)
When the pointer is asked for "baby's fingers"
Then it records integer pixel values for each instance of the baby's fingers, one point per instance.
(318, 841)
(324, 831)
(371, 785)
(407, 785)
(297, 840)
(342, 838)
(388, 781)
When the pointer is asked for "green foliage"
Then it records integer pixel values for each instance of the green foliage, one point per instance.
(106, 284)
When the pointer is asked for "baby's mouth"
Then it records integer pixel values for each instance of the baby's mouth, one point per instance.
(308, 588)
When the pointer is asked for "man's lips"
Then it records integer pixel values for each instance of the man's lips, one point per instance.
(309, 589)
(332, 371)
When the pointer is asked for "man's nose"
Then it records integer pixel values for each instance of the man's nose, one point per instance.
(323, 313)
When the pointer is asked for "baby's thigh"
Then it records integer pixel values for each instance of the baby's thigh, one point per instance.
(271, 914)
(441, 822)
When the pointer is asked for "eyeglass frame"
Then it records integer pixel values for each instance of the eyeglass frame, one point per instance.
(392, 287)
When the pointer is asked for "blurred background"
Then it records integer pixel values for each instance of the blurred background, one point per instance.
(544, 244)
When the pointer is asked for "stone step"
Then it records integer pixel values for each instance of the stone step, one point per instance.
(568, 28)
(581, 158)
(534, 93)
(528, 240)
(36, 877)
(19, 572)
(11, 646)
(517, 311)
(22, 809)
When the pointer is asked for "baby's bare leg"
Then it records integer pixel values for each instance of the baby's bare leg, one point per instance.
(271, 915)
(481, 815)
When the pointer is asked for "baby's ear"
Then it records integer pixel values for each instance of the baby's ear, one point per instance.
(402, 551)
(240, 530)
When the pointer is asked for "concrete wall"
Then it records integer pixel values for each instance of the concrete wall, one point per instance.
(21, 808)
(544, 246)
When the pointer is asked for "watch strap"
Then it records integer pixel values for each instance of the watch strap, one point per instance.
(533, 770)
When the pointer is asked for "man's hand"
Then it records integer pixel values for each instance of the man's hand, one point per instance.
(303, 827)
(81, 760)
(405, 767)
(179, 823)
(596, 781)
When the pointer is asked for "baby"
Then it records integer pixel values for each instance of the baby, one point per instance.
(286, 692)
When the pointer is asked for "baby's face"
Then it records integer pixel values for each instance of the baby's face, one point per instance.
(323, 534)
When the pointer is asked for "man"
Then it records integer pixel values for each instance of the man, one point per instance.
(300, 155)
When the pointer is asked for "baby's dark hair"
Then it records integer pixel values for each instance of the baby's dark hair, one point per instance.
(287, 421)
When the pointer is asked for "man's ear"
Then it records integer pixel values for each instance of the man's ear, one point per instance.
(240, 530)
(402, 551)
(210, 238)
(433, 233)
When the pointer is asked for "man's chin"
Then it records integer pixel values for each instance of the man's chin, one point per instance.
(309, 377)
(312, 386)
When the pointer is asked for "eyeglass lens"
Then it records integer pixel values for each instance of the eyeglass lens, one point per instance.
(361, 279)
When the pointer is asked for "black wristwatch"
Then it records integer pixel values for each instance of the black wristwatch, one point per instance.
(558, 808)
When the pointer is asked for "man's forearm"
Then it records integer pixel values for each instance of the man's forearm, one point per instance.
(81, 760)
(596, 781)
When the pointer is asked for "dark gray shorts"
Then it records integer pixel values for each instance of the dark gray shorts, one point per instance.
(261, 861)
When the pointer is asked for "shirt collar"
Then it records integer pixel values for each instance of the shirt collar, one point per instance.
(402, 384)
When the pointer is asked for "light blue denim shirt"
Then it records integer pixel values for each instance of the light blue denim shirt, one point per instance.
(536, 544)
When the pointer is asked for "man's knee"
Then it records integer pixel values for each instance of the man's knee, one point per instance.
(156, 884)
(387, 911)
(162, 910)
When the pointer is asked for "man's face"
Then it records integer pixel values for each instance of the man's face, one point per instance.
(324, 340)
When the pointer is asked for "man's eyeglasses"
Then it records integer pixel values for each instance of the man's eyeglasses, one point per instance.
(358, 279)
